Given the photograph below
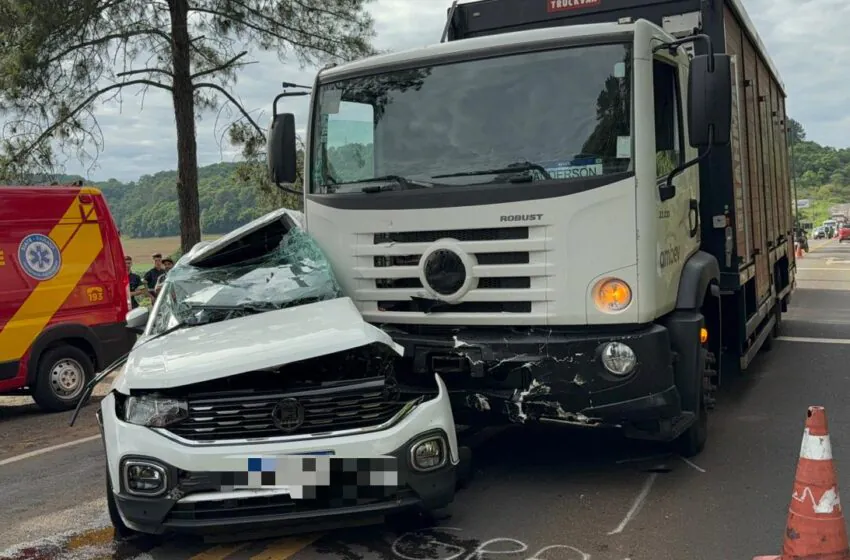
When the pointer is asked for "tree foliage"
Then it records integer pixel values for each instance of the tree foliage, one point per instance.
(59, 59)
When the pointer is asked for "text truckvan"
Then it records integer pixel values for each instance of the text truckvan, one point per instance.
(63, 292)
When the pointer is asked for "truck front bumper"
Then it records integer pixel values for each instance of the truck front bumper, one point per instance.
(547, 375)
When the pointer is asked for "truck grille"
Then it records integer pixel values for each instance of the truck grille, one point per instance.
(251, 416)
(510, 269)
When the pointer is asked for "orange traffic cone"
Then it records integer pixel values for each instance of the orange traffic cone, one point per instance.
(815, 527)
(798, 250)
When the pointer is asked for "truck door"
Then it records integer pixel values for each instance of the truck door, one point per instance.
(678, 228)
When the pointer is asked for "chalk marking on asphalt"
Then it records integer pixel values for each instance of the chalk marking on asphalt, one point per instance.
(814, 340)
(282, 549)
(48, 449)
(636, 505)
(641, 459)
(692, 464)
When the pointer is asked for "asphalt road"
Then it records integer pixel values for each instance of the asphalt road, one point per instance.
(540, 494)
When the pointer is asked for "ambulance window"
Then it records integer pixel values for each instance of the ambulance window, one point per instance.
(669, 148)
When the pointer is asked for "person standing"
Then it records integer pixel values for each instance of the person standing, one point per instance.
(167, 265)
(152, 275)
(135, 282)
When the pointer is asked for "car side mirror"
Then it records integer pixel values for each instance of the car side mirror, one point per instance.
(281, 150)
(137, 319)
(710, 100)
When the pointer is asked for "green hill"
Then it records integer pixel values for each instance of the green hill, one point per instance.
(230, 195)
(148, 207)
(822, 175)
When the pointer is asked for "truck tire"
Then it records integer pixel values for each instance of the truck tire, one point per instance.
(693, 440)
(63, 373)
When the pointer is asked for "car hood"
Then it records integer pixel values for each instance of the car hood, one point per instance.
(265, 340)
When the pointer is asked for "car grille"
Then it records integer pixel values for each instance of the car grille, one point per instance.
(511, 272)
(249, 417)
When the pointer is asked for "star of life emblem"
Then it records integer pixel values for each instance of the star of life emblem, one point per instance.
(39, 256)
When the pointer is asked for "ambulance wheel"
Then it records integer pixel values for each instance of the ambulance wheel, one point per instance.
(63, 373)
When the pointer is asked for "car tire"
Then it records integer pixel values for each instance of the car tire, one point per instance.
(62, 375)
(122, 532)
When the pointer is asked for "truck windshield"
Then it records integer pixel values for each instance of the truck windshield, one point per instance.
(566, 112)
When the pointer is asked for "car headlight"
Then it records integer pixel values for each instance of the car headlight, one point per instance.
(612, 295)
(155, 412)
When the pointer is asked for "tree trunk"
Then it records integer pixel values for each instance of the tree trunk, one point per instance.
(184, 115)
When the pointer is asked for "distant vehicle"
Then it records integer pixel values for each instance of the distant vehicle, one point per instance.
(63, 292)
(844, 232)
(800, 237)
(819, 233)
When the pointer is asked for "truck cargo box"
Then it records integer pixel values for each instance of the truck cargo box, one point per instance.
(746, 202)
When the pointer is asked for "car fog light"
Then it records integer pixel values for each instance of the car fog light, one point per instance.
(618, 358)
(428, 454)
(144, 479)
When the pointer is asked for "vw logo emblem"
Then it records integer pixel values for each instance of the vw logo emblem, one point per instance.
(288, 415)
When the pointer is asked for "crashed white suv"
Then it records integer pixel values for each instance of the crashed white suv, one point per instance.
(256, 396)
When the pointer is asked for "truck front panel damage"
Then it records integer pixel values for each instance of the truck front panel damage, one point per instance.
(546, 375)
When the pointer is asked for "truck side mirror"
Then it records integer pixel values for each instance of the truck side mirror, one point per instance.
(710, 100)
(281, 150)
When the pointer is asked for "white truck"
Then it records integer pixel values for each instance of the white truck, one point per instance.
(553, 209)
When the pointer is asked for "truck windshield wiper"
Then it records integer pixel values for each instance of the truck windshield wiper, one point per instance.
(518, 167)
(398, 182)
(111, 367)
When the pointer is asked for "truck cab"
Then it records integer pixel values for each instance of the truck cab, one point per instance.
(453, 188)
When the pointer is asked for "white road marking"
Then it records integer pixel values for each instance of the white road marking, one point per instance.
(642, 459)
(636, 505)
(692, 464)
(814, 340)
(831, 269)
(44, 450)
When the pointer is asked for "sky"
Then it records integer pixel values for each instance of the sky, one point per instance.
(139, 138)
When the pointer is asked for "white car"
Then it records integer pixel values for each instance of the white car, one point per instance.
(257, 397)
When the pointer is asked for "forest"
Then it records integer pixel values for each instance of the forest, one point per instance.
(232, 194)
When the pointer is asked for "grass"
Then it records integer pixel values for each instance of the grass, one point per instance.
(142, 248)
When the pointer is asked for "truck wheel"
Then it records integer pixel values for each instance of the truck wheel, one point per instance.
(63, 373)
(692, 441)
(122, 532)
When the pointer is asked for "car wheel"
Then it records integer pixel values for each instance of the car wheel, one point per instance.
(63, 373)
(121, 530)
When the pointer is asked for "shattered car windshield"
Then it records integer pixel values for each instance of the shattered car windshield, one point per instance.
(273, 267)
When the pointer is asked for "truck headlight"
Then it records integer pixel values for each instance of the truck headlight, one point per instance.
(155, 412)
(612, 295)
(618, 358)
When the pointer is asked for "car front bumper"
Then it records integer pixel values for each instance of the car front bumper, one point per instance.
(201, 494)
